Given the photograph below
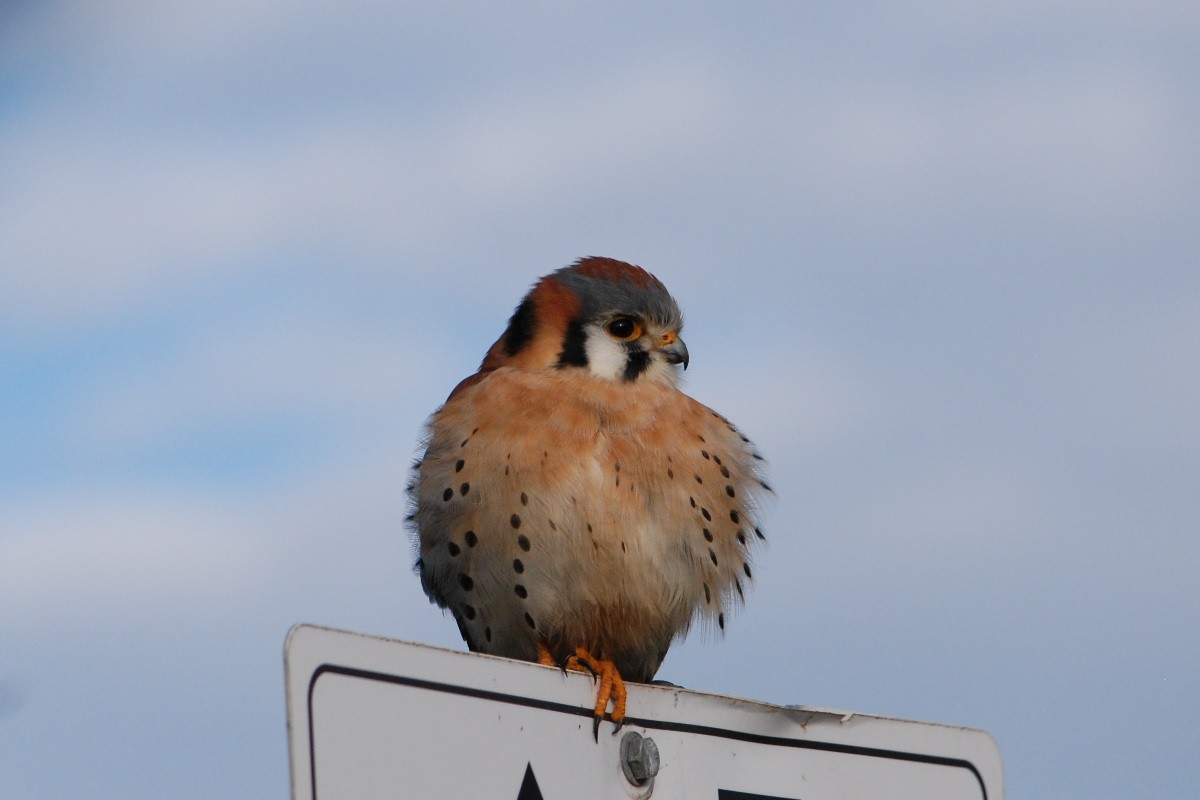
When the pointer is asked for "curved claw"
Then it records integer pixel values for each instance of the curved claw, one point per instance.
(618, 724)
(612, 688)
(581, 661)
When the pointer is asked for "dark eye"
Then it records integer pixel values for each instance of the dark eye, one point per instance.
(624, 328)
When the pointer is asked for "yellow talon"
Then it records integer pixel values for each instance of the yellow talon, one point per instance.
(612, 688)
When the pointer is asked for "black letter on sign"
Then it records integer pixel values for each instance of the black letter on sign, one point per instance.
(529, 787)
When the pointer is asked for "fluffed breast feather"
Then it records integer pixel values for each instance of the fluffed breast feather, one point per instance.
(553, 505)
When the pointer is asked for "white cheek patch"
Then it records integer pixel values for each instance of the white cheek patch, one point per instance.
(606, 357)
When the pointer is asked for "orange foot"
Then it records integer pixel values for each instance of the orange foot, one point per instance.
(544, 656)
(612, 687)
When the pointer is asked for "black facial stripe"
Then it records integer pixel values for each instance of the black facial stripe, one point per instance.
(636, 364)
(573, 352)
(520, 328)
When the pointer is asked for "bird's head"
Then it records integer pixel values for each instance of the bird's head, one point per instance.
(614, 320)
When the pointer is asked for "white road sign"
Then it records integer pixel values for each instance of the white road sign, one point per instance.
(376, 718)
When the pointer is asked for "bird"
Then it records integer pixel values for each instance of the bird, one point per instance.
(572, 506)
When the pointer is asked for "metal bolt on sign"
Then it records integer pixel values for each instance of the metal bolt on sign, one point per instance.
(639, 758)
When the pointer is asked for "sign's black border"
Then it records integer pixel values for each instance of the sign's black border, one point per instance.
(562, 708)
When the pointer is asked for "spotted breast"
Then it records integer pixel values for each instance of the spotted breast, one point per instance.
(571, 501)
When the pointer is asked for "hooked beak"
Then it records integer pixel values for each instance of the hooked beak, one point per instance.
(674, 349)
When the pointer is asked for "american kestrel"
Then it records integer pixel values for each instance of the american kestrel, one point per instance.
(573, 506)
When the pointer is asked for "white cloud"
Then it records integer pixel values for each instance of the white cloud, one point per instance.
(347, 374)
(127, 553)
(103, 213)
(129, 36)
(1076, 140)
(94, 221)
(122, 555)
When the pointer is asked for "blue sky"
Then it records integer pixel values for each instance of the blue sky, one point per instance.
(938, 261)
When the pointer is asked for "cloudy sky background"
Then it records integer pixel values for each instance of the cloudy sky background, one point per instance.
(940, 262)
